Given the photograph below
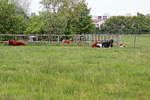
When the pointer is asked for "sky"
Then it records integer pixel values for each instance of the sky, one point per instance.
(109, 7)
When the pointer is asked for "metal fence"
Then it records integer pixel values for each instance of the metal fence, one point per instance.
(51, 38)
(136, 40)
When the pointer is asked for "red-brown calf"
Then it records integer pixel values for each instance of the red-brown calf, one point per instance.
(94, 44)
(66, 41)
(16, 43)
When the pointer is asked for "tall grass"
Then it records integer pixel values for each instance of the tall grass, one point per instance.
(76, 73)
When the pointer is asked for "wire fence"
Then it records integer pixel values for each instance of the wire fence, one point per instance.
(131, 40)
(50, 38)
(136, 40)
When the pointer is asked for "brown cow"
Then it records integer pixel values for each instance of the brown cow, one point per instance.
(16, 43)
(94, 44)
(66, 41)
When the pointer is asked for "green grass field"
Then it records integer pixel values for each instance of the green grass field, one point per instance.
(76, 73)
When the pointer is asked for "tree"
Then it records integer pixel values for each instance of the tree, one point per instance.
(125, 24)
(10, 22)
(67, 17)
(22, 5)
(35, 25)
(114, 24)
(84, 23)
(56, 5)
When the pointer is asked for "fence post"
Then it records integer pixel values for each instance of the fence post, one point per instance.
(58, 39)
(135, 37)
(15, 36)
(97, 36)
(117, 39)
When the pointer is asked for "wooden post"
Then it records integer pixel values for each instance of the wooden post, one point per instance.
(97, 37)
(15, 36)
(103, 37)
(37, 38)
(90, 39)
(117, 39)
(135, 37)
(58, 39)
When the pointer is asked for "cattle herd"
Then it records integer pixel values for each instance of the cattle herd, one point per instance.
(95, 44)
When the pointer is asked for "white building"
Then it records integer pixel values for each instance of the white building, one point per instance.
(99, 20)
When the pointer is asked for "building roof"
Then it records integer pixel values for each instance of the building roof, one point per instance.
(97, 20)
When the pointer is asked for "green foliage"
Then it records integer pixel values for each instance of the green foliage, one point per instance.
(114, 24)
(35, 25)
(64, 17)
(55, 23)
(80, 21)
(125, 24)
(59, 17)
(22, 5)
(11, 21)
(67, 17)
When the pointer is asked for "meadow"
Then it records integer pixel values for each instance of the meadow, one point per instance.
(76, 72)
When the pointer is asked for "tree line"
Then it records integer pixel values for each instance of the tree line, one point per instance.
(127, 24)
(63, 17)
(58, 17)
(12, 17)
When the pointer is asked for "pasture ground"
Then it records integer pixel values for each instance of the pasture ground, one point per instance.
(76, 73)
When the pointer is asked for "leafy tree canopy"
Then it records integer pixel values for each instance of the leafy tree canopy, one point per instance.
(127, 24)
